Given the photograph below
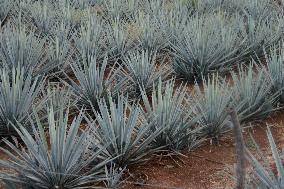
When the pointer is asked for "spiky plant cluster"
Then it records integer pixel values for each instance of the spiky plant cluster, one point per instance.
(142, 71)
(21, 48)
(18, 95)
(58, 161)
(212, 102)
(253, 96)
(125, 70)
(128, 137)
(92, 82)
(5, 8)
(275, 65)
(204, 45)
(174, 116)
(264, 174)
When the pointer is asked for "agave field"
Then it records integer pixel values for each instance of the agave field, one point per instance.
(89, 88)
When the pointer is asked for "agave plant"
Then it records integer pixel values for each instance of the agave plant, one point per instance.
(43, 20)
(177, 19)
(174, 117)
(57, 96)
(124, 9)
(59, 161)
(18, 94)
(263, 175)
(142, 72)
(151, 34)
(259, 9)
(206, 44)
(207, 6)
(212, 105)
(117, 38)
(252, 93)
(92, 82)
(275, 60)
(5, 7)
(61, 51)
(114, 176)
(119, 125)
(91, 40)
(259, 35)
(19, 48)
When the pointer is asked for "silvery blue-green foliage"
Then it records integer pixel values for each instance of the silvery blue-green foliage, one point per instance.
(212, 101)
(206, 6)
(61, 52)
(59, 160)
(207, 43)
(5, 7)
(44, 15)
(142, 71)
(258, 9)
(122, 9)
(264, 175)
(151, 34)
(91, 40)
(121, 126)
(18, 94)
(177, 17)
(22, 48)
(117, 38)
(174, 114)
(93, 81)
(252, 93)
(259, 34)
(275, 59)
(58, 96)
(113, 176)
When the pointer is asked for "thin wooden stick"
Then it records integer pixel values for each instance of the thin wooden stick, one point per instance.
(240, 151)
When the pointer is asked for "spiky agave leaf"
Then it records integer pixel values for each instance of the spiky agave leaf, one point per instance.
(207, 6)
(275, 59)
(207, 43)
(58, 96)
(122, 9)
(212, 101)
(19, 48)
(18, 94)
(61, 51)
(252, 92)
(44, 15)
(120, 126)
(114, 175)
(91, 40)
(117, 38)
(264, 176)
(151, 36)
(93, 82)
(175, 116)
(142, 71)
(5, 7)
(259, 35)
(58, 161)
(177, 18)
(259, 9)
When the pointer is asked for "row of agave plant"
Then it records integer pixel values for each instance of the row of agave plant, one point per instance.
(88, 86)
(77, 149)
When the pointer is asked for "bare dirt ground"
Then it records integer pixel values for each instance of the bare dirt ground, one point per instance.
(208, 166)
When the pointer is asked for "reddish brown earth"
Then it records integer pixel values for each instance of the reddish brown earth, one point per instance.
(206, 167)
